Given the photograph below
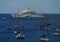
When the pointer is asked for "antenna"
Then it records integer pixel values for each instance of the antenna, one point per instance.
(18, 11)
(41, 11)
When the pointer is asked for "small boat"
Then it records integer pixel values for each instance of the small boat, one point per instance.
(18, 29)
(8, 27)
(15, 32)
(18, 26)
(44, 39)
(58, 30)
(56, 33)
(44, 25)
(3, 17)
(47, 24)
(20, 36)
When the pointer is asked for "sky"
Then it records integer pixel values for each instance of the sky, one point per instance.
(44, 6)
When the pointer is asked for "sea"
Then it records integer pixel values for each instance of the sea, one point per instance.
(32, 29)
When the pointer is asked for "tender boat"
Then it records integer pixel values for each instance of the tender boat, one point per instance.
(20, 36)
(44, 38)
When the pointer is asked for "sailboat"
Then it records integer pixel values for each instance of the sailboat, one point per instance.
(44, 38)
(56, 31)
(20, 36)
(18, 28)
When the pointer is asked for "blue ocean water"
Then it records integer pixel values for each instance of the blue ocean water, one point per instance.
(30, 28)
